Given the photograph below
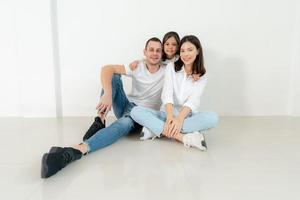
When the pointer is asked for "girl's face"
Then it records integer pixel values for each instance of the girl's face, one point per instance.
(170, 47)
(188, 53)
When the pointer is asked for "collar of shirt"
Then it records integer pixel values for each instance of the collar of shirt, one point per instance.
(184, 73)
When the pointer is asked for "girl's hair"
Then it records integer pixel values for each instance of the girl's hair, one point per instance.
(198, 65)
(166, 37)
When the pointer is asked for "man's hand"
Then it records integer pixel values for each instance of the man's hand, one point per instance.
(104, 105)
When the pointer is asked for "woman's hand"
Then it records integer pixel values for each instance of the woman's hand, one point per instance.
(167, 126)
(176, 126)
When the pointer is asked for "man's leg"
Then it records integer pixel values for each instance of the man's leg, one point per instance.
(55, 161)
(110, 134)
(119, 103)
(119, 99)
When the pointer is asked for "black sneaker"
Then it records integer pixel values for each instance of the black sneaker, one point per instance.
(95, 127)
(53, 162)
(55, 149)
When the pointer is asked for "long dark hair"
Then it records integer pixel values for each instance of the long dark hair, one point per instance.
(166, 37)
(198, 65)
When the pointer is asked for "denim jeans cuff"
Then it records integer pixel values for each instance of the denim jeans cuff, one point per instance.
(88, 148)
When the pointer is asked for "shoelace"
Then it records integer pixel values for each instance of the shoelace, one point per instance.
(67, 157)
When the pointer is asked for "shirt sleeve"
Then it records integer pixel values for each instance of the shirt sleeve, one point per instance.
(193, 101)
(167, 93)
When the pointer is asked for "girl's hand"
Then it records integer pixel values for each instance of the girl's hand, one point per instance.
(134, 65)
(196, 77)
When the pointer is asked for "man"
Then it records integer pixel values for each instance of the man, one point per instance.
(147, 83)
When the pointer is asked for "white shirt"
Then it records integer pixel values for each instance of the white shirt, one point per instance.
(146, 87)
(167, 61)
(181, 90)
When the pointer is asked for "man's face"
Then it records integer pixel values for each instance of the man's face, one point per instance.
(153, 52)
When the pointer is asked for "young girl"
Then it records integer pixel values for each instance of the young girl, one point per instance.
(180, 116)
(170, 51)
(171, 42)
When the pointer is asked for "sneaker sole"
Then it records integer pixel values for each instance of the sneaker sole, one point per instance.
(203, 148)
(44, 169)
(203, 143)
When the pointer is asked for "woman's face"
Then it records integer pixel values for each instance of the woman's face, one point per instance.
(188, 53)
(170, 47)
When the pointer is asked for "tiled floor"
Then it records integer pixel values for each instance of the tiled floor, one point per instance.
(248, 158)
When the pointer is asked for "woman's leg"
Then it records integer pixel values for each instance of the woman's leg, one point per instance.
(195, 124)
(199, 122)
(149, 118)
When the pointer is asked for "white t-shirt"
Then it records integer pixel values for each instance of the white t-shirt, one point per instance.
(146, 87)
(165, 62)
(181, 89)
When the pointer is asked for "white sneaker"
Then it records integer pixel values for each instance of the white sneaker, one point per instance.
(195, 139)
(147, 134)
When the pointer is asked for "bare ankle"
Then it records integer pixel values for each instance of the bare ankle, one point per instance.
(81, 147)
(179, 137)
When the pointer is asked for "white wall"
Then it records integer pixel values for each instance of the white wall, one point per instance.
(294, 108)
(247, 44)
(27, 78)
(251, 49)
(9, 83)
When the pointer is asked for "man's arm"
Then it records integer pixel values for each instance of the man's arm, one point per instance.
(107, 73)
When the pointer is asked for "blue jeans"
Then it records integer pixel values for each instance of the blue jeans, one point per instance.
(124, 123)
(155, 120)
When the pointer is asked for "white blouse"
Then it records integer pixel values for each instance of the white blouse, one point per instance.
(181, 90)
(167, 61)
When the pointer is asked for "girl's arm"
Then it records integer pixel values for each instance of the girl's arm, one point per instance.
(133, 65)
